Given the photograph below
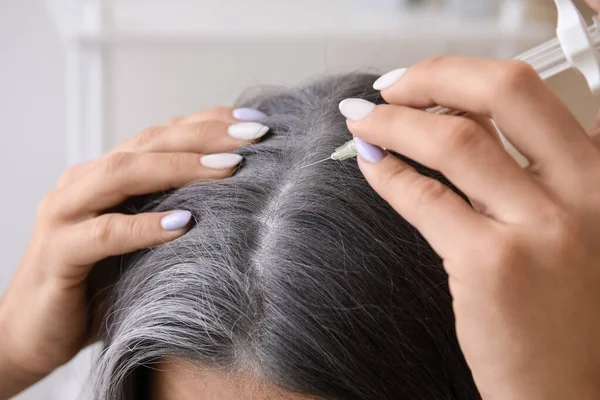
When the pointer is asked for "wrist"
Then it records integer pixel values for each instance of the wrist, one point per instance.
(13, 377)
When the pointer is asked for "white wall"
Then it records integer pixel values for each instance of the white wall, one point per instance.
(31, 120)
(32, 126)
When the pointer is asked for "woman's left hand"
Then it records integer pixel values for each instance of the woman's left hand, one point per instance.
(524, 265)
(48, 312)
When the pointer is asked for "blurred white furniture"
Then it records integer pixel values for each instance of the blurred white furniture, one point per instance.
(133, 63)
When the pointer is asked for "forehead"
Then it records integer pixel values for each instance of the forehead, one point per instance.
(175, 379)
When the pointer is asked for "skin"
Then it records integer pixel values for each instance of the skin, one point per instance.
(45, 315)
(524, 271)
(175, 379)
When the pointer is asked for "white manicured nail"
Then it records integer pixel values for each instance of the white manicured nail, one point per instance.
(389, 79)
(221, 160)
(176, 220)
(247, 130)
(356, 109)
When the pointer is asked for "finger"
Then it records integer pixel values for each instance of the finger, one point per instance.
(224, 114)
(512, 93)
(430, 206)
(206, 138)
(227, 114)
(458, 147)
(115, 234)
(200, 137)
(120, 175)
(73, 173)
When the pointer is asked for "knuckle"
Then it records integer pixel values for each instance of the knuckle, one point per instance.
(503, 252)
(178, 162)
(552, 215)
(217, 111)
(116, 162)
(562, 233)
(47, 206)
(460, 135)
(515, 75)
(68, 175)
(148, 136)
(102, 231)
(176, 120)
(398, 172)
(428, 191)
(419, 190)
(437, 61)
(136, 227)
(200, 129)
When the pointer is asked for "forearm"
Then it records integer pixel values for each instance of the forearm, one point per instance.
(13, 379)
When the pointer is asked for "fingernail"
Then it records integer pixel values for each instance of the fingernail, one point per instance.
(356, 109)
(247, 130)
(367, 151)
(387, 80)
(221, 160)
(248, 114)
(176, 220)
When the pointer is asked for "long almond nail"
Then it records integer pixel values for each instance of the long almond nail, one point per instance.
(221, 160)
(389, 79)
(356, 109)
(247, 130)
(176, 220)
(369, 152)
(248, 114)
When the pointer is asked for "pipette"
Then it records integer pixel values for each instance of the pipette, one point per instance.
(576, 45)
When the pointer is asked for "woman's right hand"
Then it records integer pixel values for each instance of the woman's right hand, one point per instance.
(44, 319)
(523, 263)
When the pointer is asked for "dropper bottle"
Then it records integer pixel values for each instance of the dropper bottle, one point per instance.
(576, 45)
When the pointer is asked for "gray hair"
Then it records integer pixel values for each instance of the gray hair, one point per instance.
(302, 275)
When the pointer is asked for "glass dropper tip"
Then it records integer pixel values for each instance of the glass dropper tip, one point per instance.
(345, 151)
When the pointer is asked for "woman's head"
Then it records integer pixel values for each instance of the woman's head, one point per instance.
(296, 281)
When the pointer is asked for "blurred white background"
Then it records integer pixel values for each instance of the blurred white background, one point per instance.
(78, 76)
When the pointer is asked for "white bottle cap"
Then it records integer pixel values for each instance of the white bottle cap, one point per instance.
(577, 43)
